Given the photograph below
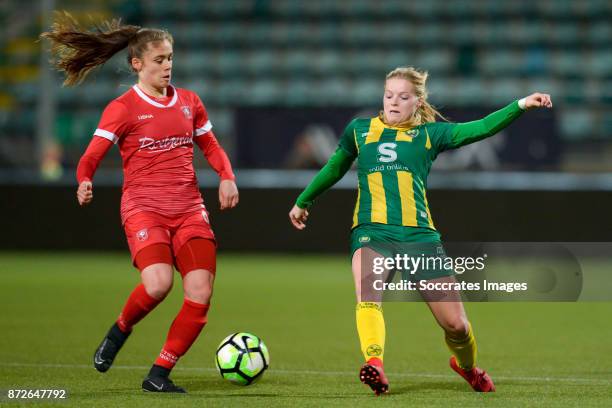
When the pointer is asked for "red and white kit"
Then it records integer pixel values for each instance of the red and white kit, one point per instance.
(155, 137)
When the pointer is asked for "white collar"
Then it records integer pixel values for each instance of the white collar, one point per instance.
(151, 101)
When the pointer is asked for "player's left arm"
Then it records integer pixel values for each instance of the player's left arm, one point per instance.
(454, 135)
(216, 157)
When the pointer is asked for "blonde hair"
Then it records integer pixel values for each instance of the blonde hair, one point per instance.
(425, 113)
(78, 50)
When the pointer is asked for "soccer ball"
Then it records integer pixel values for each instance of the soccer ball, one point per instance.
(242, 358)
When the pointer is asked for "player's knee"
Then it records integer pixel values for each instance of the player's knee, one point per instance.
(456, 327)
(198, 285)
(158, 285)
(199, 290)
(159, 290)
(199, 294)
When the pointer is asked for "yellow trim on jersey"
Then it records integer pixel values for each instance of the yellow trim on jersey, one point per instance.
(403, 137)
(376, 130)
(356, 212)
(406, 192)
(428, 142)
(393, 127)
(355, 138)
(379, 201)
(431, 224)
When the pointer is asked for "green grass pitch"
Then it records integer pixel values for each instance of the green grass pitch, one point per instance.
(55, 309)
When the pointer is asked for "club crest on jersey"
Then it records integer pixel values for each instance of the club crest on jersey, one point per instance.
(412, 133)
(142, 235)
(186, 111)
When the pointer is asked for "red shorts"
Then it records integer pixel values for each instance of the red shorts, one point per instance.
(147, 228)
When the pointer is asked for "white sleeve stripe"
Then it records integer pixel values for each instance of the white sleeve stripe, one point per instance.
(204, 129)
(106, 134)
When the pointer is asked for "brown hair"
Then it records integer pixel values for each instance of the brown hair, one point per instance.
(77, 50)
(425, 113)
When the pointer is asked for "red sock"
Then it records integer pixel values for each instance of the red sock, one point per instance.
(138, 305)
(375, 361)
(184, 331)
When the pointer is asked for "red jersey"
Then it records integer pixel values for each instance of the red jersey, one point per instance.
(156, 145)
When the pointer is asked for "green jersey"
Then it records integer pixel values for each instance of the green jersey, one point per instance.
(392, 168)
(393, 164)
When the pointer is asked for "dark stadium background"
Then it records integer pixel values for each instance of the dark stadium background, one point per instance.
(281, 79)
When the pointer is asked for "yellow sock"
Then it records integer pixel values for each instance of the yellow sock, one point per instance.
(371, 329)
(464, 349)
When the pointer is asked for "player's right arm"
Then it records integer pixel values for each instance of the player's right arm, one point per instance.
(112, 125)
(97, 149)
(337, 166)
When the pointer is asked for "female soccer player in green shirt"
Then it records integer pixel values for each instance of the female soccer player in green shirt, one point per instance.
(394, 153)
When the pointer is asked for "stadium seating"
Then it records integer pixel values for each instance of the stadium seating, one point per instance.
(322, 53)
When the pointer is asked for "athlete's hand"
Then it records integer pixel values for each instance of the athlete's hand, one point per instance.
(298, 217)
(85, 193)
(228, 194)
(538, 100)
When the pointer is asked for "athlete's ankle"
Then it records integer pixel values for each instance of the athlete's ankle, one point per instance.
(375, 361)
(159, 371)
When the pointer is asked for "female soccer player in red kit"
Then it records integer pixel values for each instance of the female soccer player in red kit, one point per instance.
(155, 126)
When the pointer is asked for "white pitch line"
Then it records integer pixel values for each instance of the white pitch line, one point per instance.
(318, 373)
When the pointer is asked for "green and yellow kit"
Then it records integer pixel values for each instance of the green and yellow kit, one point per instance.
(392, 168)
